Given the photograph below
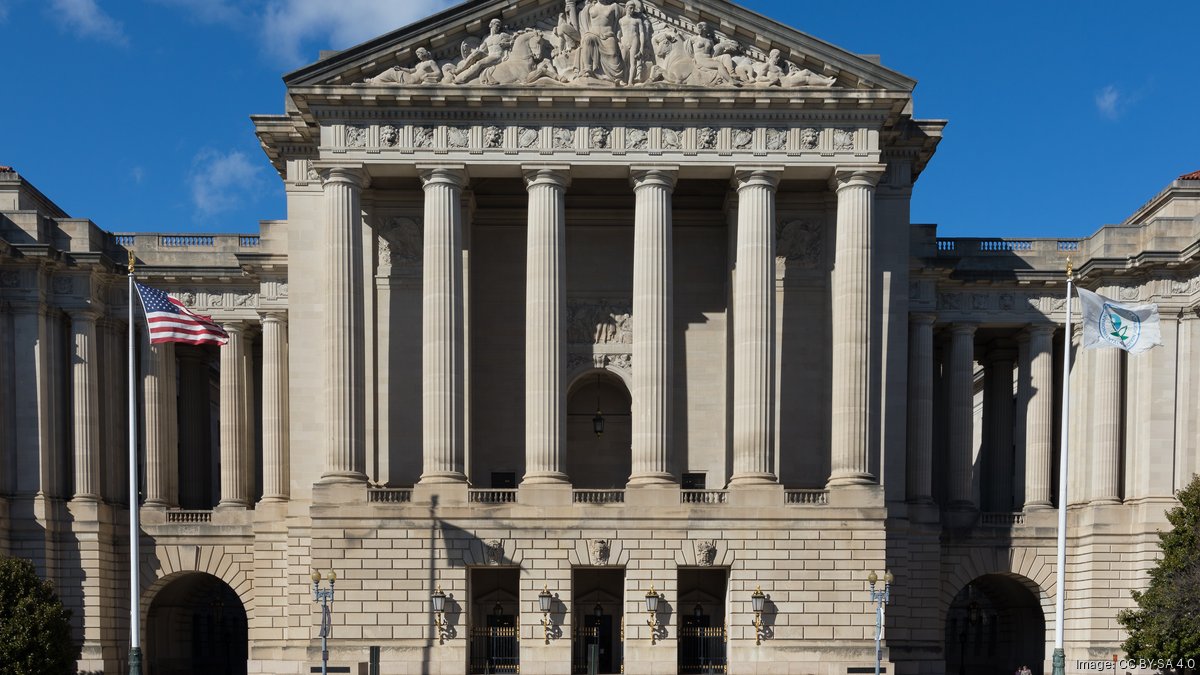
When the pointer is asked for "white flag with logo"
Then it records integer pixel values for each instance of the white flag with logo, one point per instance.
(1108, 323)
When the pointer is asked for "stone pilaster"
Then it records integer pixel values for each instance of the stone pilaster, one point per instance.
(545, 311)
(195, 435)
(652, 316)
(158, 396)
(345, 374)
(998, 409)
(754, 329)
(442, 331)
(1104, 453)
(961, 395)
(919, 481)
(851, 322)
(85, 383)
(1039, 418)
(233, 405)
(276, 460)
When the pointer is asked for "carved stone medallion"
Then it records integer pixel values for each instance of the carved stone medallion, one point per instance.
(801, 242)
(599, 322)
(706, 552)
(599, 550)
(493, 550)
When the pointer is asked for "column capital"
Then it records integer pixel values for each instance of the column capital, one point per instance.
(756, 176)
(1000, 355)
(84, 314)
(660, 175)
(859, 176)
(552, 175)
(350, 174)
(273, 316)
(923, 318)
(235, 325)
(454, 175)
(963, 328)
(1042, 329)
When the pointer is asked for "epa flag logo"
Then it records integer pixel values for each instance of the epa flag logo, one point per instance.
(1120, 326)
(1108, 323)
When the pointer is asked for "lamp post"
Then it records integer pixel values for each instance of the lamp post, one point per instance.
(880, 599)
(544, 601)
(438, 601)
(325, 597)
(758, 600)
(652, 598)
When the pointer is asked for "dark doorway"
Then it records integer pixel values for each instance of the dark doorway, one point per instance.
(602, 461)
(196, 626)
(596, 628)
(495, 621)
(702, 637)
(994, 626)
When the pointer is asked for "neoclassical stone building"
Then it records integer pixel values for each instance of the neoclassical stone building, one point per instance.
(589, 300)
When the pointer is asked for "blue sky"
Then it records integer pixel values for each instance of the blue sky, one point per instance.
(1064, 116)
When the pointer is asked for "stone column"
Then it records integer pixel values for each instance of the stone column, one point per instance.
(195, 437)
(1105, 454)
(85, 381)
(345, 416)
(233, 406)
(851, 337)
(998, 407)
(442, 332)
(158, 396)
(1039, 418)
(961, 395)
(545, 311)
(276, 461)
(652, 316)
(920, 409)
(754, 329)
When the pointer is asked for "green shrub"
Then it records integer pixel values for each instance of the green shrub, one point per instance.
(35, 628)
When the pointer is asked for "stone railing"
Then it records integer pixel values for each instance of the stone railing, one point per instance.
(598, 496)
(189, 516)
(806, 497)
(968, 246)
(389, 495)
(492, 496)
(218, 243)
(703, 496)
(1002, 519)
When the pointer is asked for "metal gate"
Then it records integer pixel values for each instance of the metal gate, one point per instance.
(495, 649)
(582, 638)
(702, 649)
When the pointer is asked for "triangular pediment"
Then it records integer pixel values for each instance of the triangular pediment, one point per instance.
(598, 44)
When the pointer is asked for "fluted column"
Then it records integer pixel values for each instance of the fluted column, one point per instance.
(919, 486)
(233, 405)
(754, 329)
(195, 436)
(345, 374)
(276, 461)
(961, 395)
(442, 332)
(85, 381)
(1104, 456)
(851, 323)
(1039, 418)
(652, 347)
(158, 394)
(998, 407)
(545, 309)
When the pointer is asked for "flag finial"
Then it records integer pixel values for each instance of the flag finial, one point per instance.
(1070, 269)
(132, 260)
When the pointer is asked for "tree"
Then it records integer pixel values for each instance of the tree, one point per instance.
(35, 629)
(1167, 621)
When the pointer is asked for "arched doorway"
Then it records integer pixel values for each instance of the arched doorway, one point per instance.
(599, 461)
(196, 625)
(994, 626)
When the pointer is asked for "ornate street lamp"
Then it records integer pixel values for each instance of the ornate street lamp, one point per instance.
(325, 597)
(758, 601)
(438, 600)
(880, 599)
(652, 598)
(544, 600)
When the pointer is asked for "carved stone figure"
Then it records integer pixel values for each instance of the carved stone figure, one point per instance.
(777, 139)
(635, 35)
(385, 252)
(527, 137)
(466, 50)
(356, 137)
(717, 68)
(672, 139)
(599, 50)
(458, 137)
(564, 139)
(389, 136)
(843, 139)
(523, 64)
(706, 138)
(801, 242)
(600, 548)
(600, 136)
(493, 550)
(637, 139)
(406, 240)
(490, 52)
(743, 139)
(809, 138)
(706, 552)
(493, 137)
(423, 137)
(598, 322)
(426, 71)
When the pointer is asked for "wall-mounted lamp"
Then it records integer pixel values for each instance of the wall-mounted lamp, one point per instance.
(544, 601)
(438, 600)
(697, 611)
(880, 600)
(757, 601)
(598, 611)
(652, 598)
(325, 597)
(598, 420)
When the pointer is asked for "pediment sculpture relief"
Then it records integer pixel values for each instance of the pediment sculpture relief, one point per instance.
(602, 43)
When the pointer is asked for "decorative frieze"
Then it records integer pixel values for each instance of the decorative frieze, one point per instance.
(800, 243)
(599, 322)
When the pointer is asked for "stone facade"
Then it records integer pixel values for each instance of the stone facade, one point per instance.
(679, 218)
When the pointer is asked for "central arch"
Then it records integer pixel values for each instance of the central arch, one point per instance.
(604, 461)
(196, 625)
(994, 626)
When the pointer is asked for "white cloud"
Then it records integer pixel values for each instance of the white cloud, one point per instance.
(1109, 102)
(211, 11)
(222, 181)
(289, 25)
(86, 19)
(3, 10)
(138, 174)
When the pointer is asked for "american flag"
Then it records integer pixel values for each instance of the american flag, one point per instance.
(170, 321)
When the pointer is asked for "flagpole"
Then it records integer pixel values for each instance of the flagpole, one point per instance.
(135, 650)
(1060, 657)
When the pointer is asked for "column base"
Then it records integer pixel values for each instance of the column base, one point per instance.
(330, 477)
(652, 479)
(545, 478)
(442, 478)
(752, 479)
(226, 504)
(1105, 501)
(850, 478)
(1038, 506)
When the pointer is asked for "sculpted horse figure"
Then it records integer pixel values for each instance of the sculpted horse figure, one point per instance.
(678, 65)
(524, 65)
